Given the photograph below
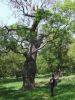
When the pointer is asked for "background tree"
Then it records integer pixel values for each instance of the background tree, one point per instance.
(60, 26)
(71, 55)
(10, 64)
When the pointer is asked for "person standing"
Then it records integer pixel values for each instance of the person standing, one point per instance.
(52, 84)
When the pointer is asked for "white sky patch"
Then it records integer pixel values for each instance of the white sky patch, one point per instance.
(6, 15)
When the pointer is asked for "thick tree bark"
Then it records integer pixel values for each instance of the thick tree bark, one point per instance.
(28, 73)
(29, 68)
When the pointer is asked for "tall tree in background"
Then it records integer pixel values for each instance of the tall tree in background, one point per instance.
(60, 26)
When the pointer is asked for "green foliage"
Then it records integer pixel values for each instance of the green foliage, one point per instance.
(71, 52)
(72, 27)
(59, 29)
(12, 44)
(55, 52)
(68, 5)
(41, 65)
(42, 14)
(9, 63)
(59, 26)
(25, 33)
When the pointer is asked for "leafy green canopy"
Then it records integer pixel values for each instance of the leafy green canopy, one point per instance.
(58, 28)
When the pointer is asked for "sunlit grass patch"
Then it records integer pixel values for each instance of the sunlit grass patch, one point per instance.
(65, 90)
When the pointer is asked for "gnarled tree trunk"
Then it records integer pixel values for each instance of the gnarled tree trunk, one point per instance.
(30, 68)
(28, 73)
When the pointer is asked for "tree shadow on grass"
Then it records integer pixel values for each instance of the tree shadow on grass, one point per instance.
(8, 80)
(39, 93)
(65, 92)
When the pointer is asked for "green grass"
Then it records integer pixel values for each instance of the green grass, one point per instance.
(10, 89)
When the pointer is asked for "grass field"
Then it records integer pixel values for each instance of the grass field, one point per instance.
(10, 89)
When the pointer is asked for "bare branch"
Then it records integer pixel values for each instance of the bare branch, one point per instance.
(26, 14)
(22, 6)
(40, 47)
